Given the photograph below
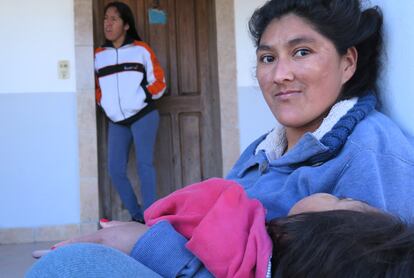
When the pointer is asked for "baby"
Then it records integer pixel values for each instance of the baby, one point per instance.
(324, 236)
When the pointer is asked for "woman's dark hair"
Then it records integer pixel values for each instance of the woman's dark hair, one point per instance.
(341, 21)
(342, 244)
(127, 17)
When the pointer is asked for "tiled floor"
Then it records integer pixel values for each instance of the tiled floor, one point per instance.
(15, 259)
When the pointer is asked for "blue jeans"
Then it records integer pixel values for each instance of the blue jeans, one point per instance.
(84, 260)
(142, 133)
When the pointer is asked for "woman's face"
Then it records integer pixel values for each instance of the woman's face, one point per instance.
(300, 73)
(114, 28)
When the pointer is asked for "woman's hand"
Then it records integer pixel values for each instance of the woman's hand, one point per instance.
(119, 235)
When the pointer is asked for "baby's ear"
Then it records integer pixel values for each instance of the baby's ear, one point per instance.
(349, 62)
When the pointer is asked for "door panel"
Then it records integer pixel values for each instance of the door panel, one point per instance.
(186, 48)
(187, 148)
(190, 148)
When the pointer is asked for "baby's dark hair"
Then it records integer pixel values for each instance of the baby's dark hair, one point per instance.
(344, 23)
(342, 244)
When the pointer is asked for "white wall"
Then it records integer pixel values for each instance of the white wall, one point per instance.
(35, 35)
(397, 85)
(397, 79)
(246, 58)
(255, 117)
(39, 168)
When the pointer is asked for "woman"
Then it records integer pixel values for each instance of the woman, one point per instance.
(129, 79)
(317, 66)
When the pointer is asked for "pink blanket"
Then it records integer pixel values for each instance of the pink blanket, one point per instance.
(226, 230)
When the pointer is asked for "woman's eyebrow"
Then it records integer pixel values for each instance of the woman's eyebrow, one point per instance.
(300, 40)
(291, 43)
(263, 47)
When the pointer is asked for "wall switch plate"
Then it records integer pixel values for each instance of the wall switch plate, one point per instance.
(63, 69)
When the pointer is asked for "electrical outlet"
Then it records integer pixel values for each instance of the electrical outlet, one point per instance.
(63, 69)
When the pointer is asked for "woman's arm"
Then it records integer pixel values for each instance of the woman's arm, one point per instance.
(160, 247)
(163, 250)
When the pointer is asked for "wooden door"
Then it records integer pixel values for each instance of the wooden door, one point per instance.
(188, 147)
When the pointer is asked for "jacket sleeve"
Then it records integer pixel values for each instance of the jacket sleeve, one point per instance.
(154, 73)
(163, 250)
(384, 181)
(98, 92)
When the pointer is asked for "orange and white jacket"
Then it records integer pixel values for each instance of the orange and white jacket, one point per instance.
(128, 79)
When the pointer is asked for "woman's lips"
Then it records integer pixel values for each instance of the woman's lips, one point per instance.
(287, 94)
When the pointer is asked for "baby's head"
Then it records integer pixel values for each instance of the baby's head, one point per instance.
(325, 202)
(324, 236)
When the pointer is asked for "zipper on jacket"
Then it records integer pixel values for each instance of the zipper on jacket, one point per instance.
(117, 86)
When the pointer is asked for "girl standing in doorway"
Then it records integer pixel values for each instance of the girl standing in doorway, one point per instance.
(129, 79)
